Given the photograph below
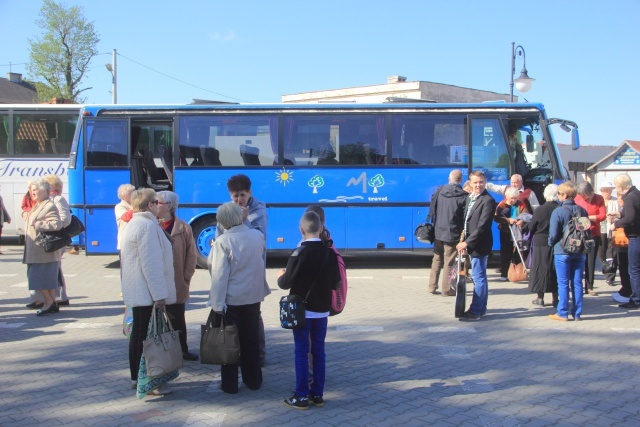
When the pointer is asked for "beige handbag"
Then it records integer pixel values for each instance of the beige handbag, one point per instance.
(517, 273)
(162, 351)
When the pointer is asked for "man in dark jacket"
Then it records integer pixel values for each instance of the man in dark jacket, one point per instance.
(629, 219)
(478, 241)
(447, 216)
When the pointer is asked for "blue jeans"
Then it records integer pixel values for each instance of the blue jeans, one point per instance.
(480, 285)
(317, 330)
(634, 266)
(569, 268)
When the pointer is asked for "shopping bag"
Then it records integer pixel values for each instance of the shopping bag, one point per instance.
(162, 349)
(219, 344)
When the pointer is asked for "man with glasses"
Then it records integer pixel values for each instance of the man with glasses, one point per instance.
(478, 241)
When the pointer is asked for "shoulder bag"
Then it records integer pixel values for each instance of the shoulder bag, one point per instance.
(219, 345)
(162, 350)
(52, 241)
(293, 307)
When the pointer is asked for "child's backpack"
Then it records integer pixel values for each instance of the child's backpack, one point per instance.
(339, 296)
(577, 238)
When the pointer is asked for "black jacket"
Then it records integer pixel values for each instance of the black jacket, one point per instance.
(630, 214)
(539, 224)
(304, 267)
(448, 213)
(479, 238)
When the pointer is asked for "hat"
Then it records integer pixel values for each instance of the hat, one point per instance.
(607, 184)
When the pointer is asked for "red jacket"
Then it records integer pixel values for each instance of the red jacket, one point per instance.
(597, 208)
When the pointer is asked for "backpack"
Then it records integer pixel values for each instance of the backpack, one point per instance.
(577, 238)
(339, 296)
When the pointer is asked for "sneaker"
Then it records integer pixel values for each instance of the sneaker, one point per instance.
(556, 317)
(297, 402)
(160, 391)
(468, 315)
(619, 298)
(316, 400)
(504, 279)
(631, 305)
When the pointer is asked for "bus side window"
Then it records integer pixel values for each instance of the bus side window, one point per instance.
(489, 149)
(107, 145)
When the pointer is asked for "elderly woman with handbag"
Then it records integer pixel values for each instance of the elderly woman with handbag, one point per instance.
(147, 273)
(42, 267)
(238, 286)
(184, 263)
(507, 213)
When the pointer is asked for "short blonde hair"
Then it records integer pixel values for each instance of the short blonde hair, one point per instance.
(229, 215)
(141, 198)
(55, 183)
(569, 189)
(623, 180)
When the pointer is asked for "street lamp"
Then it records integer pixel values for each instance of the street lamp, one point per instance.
(523, 83)
(114, 78)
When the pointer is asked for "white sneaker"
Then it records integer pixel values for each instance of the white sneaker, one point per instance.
(504, 279)
(160, 391)
(619, 298)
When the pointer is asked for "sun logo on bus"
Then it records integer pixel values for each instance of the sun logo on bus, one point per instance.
(284, 176)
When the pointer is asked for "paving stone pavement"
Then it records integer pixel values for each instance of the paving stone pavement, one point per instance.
(395, 356)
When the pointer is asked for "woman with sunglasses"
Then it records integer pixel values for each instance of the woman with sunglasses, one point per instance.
(147, 273)
(184, 263)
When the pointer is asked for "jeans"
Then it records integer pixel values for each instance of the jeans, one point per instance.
(317, 330)
(634, 266)
(569, 268)
(480, 285)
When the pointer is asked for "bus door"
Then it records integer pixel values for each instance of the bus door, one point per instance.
(152, 156)
(107, 166)
(489, 153)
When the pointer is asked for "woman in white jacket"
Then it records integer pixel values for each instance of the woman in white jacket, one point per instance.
(147, 272)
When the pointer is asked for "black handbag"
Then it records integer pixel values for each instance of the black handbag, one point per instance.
(425, 233)
(74, 228)
(219, 344)
(52, 241)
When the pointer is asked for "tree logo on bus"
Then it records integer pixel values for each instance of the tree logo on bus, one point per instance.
(315, 182)
(375, 182)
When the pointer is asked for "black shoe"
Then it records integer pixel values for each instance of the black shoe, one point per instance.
(316, 400)
(631, 305)
(53, 308)
(64, 302)
(468, 315)
(35, 305)
(297, 402)
(189, 356)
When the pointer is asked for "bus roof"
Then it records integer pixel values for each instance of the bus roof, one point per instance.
(41, 107)
(98, 110)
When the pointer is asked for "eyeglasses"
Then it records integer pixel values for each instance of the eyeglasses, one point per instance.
(154, 202)
(163, 203)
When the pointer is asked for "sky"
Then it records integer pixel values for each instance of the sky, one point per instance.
(584, 54)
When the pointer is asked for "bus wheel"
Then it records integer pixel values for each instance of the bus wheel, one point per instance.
(204, 233)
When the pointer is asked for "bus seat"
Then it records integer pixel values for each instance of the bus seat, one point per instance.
(154, 177)
(137, 174)
(165, 158)
(210, 156)
(249, 155)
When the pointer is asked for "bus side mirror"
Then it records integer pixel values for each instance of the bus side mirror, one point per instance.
(531, 146)
(575, 139)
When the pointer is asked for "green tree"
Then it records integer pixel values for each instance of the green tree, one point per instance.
(60, 56)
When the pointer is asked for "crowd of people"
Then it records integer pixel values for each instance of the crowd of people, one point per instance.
(158, 260)
(536, 235)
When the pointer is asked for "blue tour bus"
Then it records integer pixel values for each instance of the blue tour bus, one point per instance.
(372, 167)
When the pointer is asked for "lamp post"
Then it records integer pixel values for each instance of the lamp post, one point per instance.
(114, 78)
(523, 83)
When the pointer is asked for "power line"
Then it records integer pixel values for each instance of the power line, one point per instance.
(181, 81)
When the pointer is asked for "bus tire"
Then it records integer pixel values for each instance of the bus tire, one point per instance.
(204, 233)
